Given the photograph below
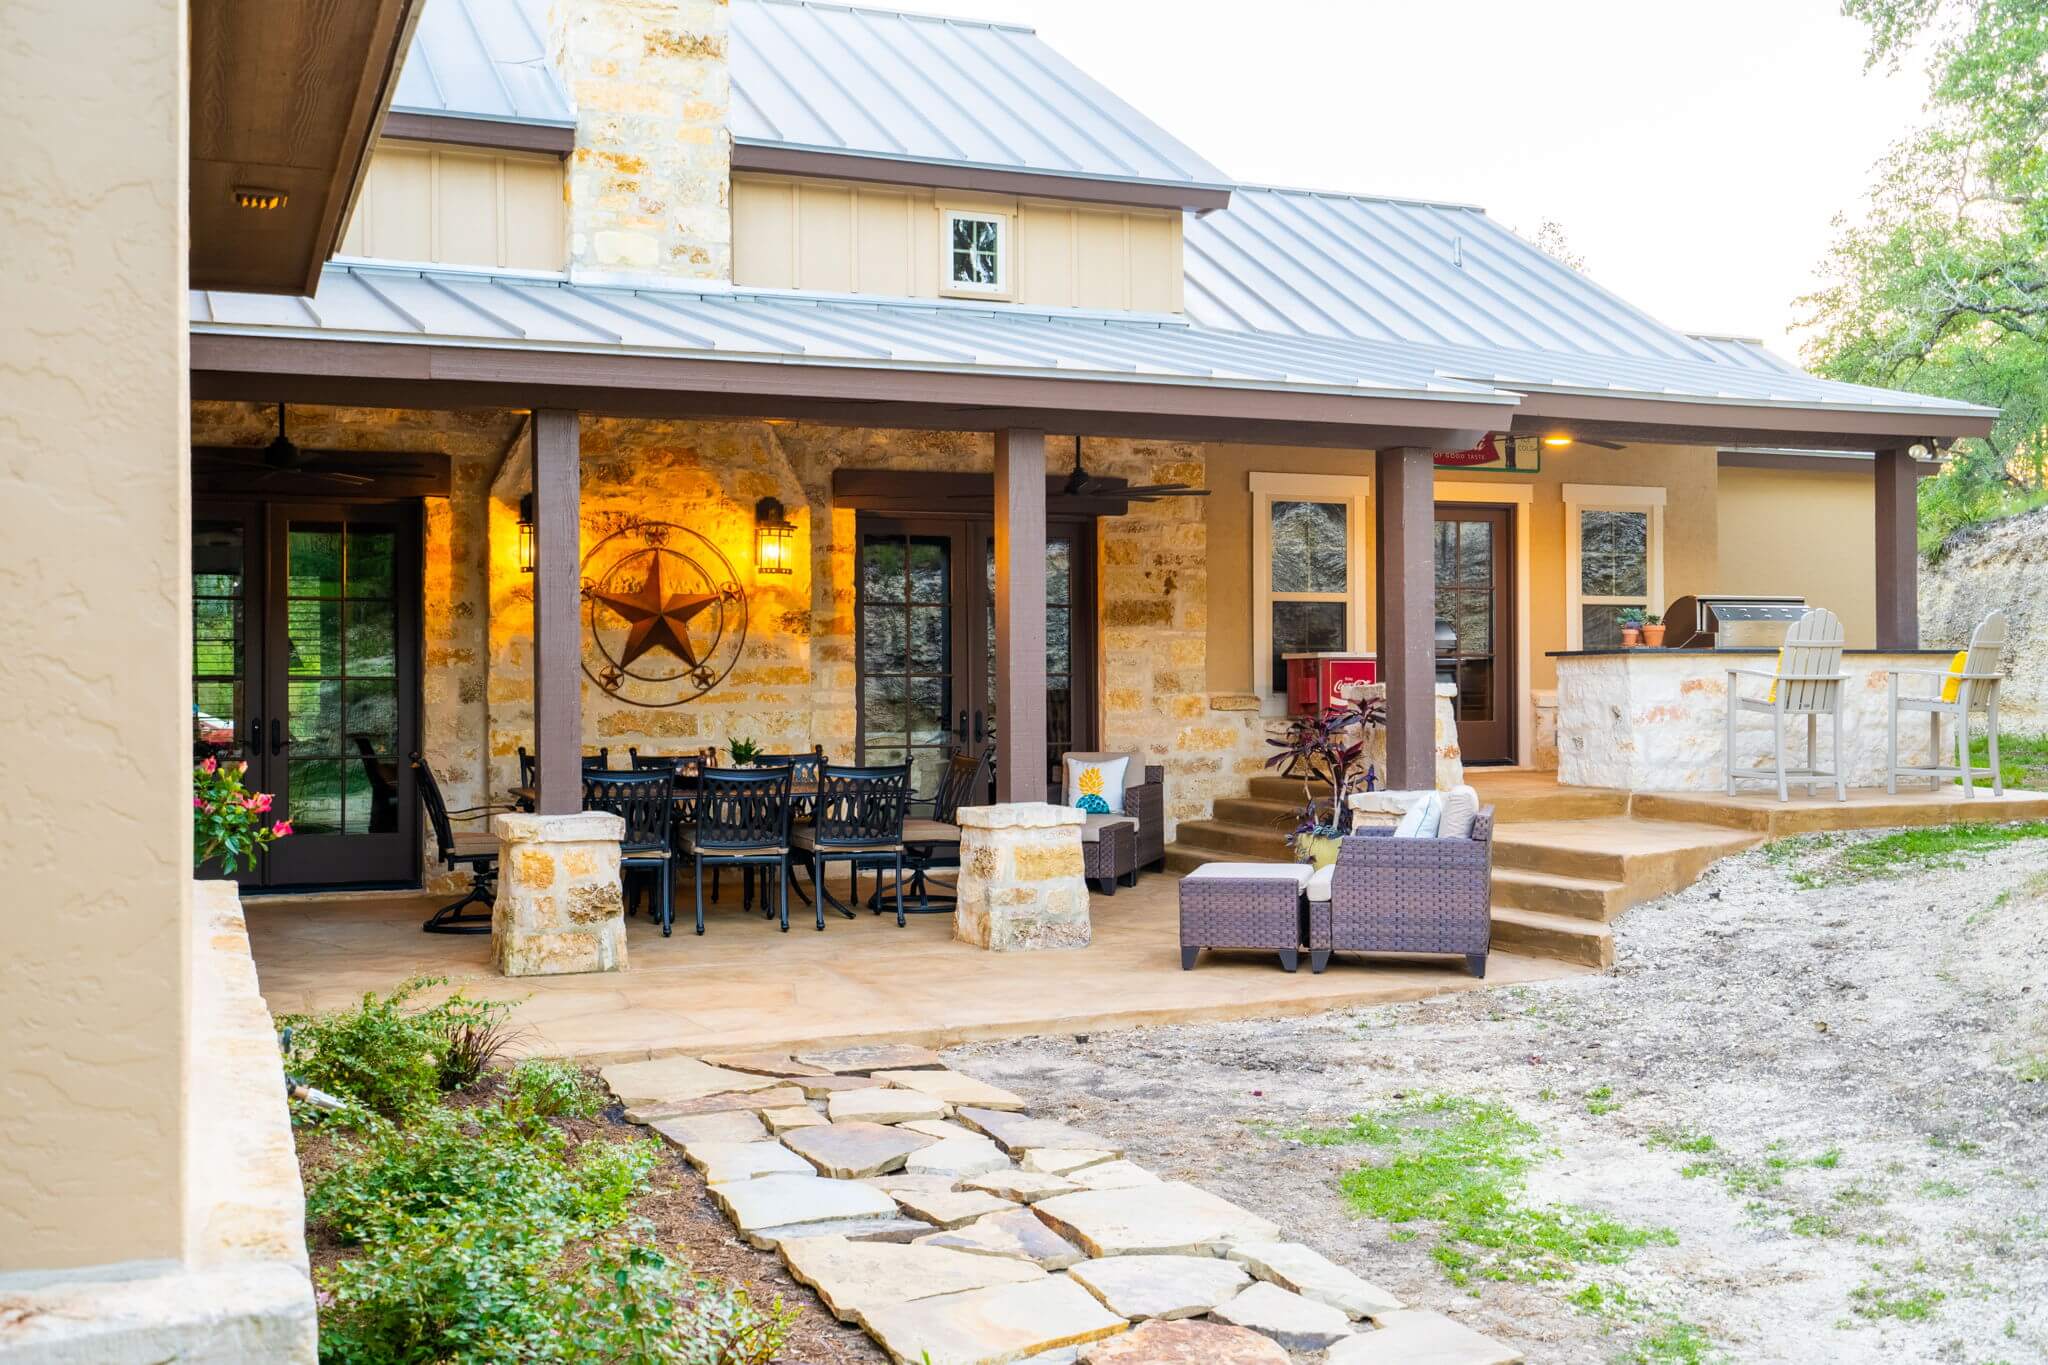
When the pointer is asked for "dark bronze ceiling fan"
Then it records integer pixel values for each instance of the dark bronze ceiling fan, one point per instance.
(1081, 484)
(285, 456)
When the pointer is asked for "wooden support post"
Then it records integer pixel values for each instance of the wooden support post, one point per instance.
(1020, 616)
(557, 639)
(1404, 578)
(1898, 550)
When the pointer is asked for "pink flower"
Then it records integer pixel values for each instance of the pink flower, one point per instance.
(243, 766)
(198, 804)
(208, 766)
(260, 802)
(280, 829)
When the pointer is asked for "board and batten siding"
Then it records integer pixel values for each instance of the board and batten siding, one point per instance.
(828, 236)
(457, 206)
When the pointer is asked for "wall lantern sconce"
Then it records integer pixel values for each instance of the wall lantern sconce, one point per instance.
(774, 537)
(526, 534)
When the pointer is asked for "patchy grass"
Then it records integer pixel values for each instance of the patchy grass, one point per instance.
(1675, 1343)
(1600, 1100)
(1904, 1299)
(1460, 1163)
(1679, 1140)
(1892, 855)
(2022, 760)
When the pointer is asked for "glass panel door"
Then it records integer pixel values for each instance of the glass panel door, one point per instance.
(910, 626)
(1474, 596)
(222, 652)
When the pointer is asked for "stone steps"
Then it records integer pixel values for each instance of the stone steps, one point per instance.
(1649, 858)
(1587, 898)
(1562, 938)
(1225, 841)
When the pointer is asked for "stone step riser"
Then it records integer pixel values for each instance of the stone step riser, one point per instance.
(1245, 843)
(1559, 862)
(1597, 901)
(1558, 938)
(1257, 813)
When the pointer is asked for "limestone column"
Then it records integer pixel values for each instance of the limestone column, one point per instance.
(559, 909)
(1020, 881)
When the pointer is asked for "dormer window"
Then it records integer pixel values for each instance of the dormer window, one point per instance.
(977, 256)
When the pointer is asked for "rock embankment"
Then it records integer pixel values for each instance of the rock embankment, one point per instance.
(2000, 564)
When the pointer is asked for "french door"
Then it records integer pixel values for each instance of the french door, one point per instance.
(1475, 594)
(306, 666)
(925, 622)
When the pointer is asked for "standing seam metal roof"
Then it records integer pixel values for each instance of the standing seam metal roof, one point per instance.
(484, 59)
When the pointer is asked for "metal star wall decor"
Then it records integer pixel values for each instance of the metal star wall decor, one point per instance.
(665, 614)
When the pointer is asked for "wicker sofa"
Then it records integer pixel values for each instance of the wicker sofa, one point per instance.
(1388, 895)
(1115, 847)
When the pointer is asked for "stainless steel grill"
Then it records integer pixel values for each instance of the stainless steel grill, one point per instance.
(1730, 621)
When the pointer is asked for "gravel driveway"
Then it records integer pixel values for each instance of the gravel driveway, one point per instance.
(1820, 1108)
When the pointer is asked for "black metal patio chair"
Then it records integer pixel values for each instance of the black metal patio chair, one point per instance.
(472, 852)
(858, 821)
(742, 819)
(646, 802)
(933, 841)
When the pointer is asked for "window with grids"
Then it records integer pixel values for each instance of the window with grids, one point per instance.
(977, 253)
(1309, 590)
(1615, 553)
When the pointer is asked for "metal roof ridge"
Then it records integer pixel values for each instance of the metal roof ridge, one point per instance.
(1418, 200)
(1010, 167)
(893, 11)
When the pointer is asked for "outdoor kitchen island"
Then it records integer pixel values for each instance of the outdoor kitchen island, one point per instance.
(1655, 720)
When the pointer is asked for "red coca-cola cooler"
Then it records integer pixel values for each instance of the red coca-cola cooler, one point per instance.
(1312, 679)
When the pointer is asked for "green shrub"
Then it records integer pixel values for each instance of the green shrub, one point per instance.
(636, 1305)
(393, 1060)
(552, 1089)
(483, 1163)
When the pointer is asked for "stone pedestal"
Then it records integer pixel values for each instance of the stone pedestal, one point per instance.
(559, 909)
(1020, 878)
(1450, 761)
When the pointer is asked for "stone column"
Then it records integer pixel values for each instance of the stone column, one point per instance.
(559, 908)
(1020, 878)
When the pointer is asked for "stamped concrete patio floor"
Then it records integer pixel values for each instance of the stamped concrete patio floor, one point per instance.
(746, 984)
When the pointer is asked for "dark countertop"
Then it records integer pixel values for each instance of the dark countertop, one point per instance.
(1725, 653)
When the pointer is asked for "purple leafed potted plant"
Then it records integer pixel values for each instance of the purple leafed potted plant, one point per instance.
(1327, 748)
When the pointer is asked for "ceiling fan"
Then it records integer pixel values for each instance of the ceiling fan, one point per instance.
(285, 456)
(1081, 484)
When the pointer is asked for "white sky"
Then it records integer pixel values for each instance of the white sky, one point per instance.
(1694, 154)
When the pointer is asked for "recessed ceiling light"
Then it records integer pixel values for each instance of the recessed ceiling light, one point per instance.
(249, 197)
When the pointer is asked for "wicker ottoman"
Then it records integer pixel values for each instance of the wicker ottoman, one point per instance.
(1242, 905)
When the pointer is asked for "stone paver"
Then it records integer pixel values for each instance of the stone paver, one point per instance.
(1018, 1132)
(1169, 1218)
(727, 1125)
(959, 1157)
(725, 1101)
(796, 1116)
(722, 1162)
(1112, 1175)
(1185, 1343)
(1138, 1287)
(954, 1088)
(1313, 1275)
(1415, 1337)
(1062, 1160)
(993, 1326)
(1294, 1322)
(883, 1106)
(941, 1128)
(848, 1151)
(885, 1229)
(865, 1058)
(818, 1087)
(1024, 1187)
(773, 1201)
(764, 1063)
(668, 1079)
(933, 1198)
(1014, 1233)
(854, 1278)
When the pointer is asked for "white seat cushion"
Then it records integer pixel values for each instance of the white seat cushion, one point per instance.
(1461, 808)
(1298, 873)
(1422, 818)
(1093, 825)
(1319, 884)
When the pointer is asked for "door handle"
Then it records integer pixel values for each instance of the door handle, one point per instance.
(978, 733)
(277, 739)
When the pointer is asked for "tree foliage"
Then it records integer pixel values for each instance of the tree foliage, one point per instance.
(1941, 286)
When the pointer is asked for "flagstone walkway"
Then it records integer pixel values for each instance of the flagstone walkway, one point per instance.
(929, 1209)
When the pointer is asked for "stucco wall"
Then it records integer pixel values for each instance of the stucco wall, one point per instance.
(1793, 531)
(96, 729)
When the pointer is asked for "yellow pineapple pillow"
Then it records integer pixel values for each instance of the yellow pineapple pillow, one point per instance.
(1096, 785)
(1952, 686)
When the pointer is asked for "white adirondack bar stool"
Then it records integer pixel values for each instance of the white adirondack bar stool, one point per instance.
(1956, 694)
(1808, 682)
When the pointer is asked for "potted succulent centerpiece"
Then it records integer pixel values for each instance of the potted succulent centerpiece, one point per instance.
(743, 751)
(1631, 622)
(1653, 630)
(1329, 748)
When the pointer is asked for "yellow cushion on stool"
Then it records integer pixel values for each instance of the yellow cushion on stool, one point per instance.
(1952, 687)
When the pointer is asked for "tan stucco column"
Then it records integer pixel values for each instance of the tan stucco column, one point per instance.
(95, 612)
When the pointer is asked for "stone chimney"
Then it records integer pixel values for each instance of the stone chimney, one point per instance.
(650, 182)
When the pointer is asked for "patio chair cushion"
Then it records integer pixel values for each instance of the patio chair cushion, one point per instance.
(1952, 685)
(808, 839)
(1320, 883)
(1093, 825)
(1422, 819)
(747, 851)
(1096, 785)
(1298, 873)
(930, 832)
(1461, 808)
(1134, 769)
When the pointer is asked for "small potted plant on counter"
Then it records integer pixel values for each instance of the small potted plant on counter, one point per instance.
(744, 752)
(1631, 621)
(1653, 630)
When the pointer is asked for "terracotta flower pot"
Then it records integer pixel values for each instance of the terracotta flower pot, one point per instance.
(1653, 636)
(1631, 636)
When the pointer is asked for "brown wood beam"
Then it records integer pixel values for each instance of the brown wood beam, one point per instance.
(778, 160)
(454, 131)
(1404, 579)
(557, 648)
(1020, 615)
(1898, 550)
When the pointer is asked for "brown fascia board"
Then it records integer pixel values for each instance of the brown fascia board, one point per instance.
(805, 161)
(1683, 422)
(397, 19)
(495, 134)
(431, 376)
(1857, 462)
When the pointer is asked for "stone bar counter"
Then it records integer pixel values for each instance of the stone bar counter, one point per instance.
(1657, 719)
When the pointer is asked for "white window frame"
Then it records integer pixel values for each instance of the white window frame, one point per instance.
(1607, 497)
(1005, 250)
(1355, 491)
